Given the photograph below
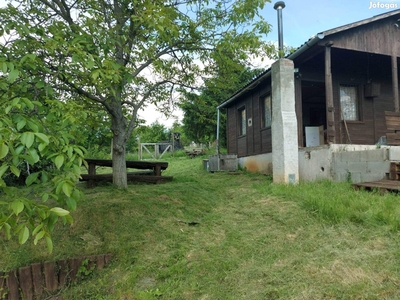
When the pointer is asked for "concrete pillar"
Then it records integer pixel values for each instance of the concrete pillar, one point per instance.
(285, 158)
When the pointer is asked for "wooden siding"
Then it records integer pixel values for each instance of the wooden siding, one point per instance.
(257, 140)
(380, 37)
(231, 128)
(249, 145)
(358, 68)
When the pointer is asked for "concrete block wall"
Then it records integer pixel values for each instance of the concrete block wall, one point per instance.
(315, 163)
(359, 166)
(334, 162)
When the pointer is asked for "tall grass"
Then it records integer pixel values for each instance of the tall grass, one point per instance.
(229, 236)
(338, 202)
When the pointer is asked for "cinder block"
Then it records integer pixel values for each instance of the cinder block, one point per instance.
(341, 176)
(375, 155)
(372, 177)
(340, 166)
(394, 153)
(378, 166)
(356, 177)
(360, 167)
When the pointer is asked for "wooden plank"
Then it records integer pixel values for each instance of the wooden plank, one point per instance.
(392, 113)
(26, 282)
(393, 138)
(392, 124)
(37, 280)
(100, 262)
(13, 288)
(3, 286)
(330, 114)
(50, 276)
(299, 112)
(92, 261)
(392, 119)
(63, 271)
(389, 185)
(135, 164)
(395, 167)
(74, 264)
(136, 178)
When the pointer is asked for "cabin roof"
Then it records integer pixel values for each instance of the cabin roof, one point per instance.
(304, 47)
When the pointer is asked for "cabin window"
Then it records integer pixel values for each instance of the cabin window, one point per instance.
(349, 103)
(242, 121)
(266, 111)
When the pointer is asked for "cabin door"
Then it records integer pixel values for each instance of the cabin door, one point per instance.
(314, 113)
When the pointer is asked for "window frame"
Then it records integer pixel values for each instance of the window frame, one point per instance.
(263, 112)
(242, 121)
(357, 102)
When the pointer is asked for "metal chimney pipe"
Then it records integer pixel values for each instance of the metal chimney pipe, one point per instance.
(279, 6)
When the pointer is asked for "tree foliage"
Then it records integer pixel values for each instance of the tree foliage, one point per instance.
(200, 109)
(36, 130)
(121, 55)
(154, 133)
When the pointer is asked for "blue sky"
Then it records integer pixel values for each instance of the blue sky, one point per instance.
(305, 18)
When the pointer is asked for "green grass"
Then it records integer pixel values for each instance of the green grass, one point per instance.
(253, 240)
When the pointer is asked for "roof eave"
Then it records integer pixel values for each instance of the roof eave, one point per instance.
(311, 42)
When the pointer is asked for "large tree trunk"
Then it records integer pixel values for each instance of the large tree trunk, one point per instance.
(118, 152)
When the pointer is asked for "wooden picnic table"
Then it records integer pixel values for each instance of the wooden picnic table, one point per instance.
(152, 173)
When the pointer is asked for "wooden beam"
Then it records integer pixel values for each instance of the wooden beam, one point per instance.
(299, 111)
(330, 111)
(395, 83)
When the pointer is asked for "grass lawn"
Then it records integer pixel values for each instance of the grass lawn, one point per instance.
(229, 236)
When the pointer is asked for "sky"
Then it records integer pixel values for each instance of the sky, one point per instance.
(302, 19)
(305, 18)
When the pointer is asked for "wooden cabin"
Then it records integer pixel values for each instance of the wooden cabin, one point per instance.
(346, 79)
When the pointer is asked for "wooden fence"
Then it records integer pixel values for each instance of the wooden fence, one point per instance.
(42, 280)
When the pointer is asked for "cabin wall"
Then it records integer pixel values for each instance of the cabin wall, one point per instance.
(359, 69)
(256, 140)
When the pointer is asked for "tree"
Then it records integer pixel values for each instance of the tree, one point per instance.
(200, 109)
(121, 55)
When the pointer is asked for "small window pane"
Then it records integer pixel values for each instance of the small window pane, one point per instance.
(242, 121)
(349, 103)
(266, 111)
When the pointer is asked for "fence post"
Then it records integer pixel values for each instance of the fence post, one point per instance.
(139, 149)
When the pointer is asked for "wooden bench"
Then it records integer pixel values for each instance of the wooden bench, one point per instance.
(151, 175)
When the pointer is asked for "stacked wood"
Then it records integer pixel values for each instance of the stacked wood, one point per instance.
(394, 173)
(392, 128)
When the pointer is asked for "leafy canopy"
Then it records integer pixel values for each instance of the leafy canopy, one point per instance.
(61, 59)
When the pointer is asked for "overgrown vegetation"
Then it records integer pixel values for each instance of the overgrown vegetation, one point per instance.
(229, 236)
